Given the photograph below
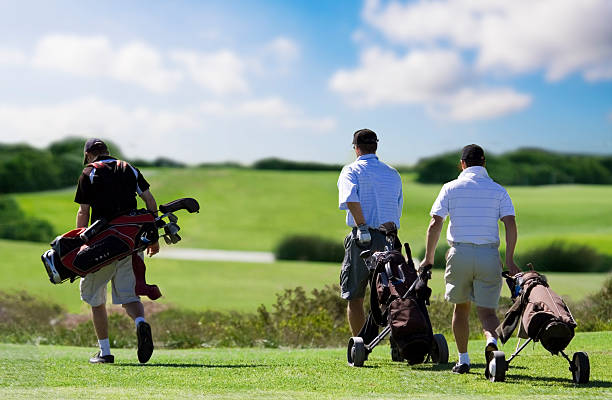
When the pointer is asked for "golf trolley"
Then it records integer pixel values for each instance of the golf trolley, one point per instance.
(553, 334)
(398, 298)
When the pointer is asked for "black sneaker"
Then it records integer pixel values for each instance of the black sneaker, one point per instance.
(489, 349)
(98, 359)
(461, 368)
(145, 342)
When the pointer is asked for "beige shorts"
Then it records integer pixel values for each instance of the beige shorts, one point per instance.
(121, 275)
(473, 273)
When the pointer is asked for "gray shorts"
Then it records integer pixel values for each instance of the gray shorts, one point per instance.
(354, 273)
(121, 275)
(473, 273)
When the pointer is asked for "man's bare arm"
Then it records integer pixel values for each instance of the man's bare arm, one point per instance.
(151, 205)
(433, 235)
(82, 218)
(355, 209)
(511, 239)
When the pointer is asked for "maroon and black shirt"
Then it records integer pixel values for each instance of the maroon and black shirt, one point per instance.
(110, 187)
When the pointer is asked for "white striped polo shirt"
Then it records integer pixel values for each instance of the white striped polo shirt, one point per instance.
(374, 184)
(474, 203)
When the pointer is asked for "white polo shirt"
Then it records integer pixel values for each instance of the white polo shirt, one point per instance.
(374, 184)
(474, 203)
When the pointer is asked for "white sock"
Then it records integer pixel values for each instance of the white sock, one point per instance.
(138, 320)
(464, 358)
(492, 340)
(104, 347)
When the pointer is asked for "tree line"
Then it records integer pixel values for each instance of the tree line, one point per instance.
(24, 168)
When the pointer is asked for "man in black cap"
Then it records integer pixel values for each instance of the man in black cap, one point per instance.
(108, 187)
(475, 204)
(371, 193)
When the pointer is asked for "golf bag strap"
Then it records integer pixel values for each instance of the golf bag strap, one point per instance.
(513, 315)
(377, 315)
(142, 288)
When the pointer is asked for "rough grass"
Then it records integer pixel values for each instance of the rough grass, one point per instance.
(254, 210)
(199, 285)
(63, 372)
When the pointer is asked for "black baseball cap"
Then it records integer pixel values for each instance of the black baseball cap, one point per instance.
(364, 136)
(472, 152)
(94, 144)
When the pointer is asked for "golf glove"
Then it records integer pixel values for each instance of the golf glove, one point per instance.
(363, 235)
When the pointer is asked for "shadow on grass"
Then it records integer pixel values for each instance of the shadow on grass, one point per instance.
(567, 382)
(475, 368)
(177, 365)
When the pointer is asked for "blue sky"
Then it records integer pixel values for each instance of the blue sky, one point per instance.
(241, 80)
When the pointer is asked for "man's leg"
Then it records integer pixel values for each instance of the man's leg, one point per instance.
(356, 315)
(461, 326)
(134, 309)
(100, 321)
(143, 330)
(489, 321)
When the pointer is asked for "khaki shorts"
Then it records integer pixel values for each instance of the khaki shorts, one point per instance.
(473, 273)
(121, 275)
(354, 273)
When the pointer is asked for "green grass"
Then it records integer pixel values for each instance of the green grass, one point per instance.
(253, 210)
(221, 285)
(28, 371)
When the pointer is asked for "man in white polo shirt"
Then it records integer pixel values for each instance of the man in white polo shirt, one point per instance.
(475, 204)
(371, 193)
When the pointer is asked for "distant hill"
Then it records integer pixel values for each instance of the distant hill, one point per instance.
(527, 166)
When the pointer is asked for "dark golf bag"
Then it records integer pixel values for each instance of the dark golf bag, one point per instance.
(86, 250)
(392, 276)
(542, 314)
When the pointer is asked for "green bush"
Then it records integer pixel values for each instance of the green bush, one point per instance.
(309, 248)
(16, 226)
(594, 313)
(561, 256)
(439, 256)
(279, 164)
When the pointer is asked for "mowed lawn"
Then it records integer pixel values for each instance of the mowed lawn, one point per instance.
(244, 209)
(214, 285)
(28, 371)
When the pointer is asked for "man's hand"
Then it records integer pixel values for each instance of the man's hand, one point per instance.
(424, 263)
(512, 267)
(153, 249)
(363, 235)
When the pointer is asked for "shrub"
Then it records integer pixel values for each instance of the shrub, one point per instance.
(309, 248)
(16, 226)
(595, 312)
(561, 256)
(279, 164)
(439, 256)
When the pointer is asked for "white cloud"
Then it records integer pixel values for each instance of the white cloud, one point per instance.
(435, 78)
(149, 132)
(384, 78)
(221, 72)
(284, 50)
(470, 104)
(94, 56)
(558, 36)
(12, 57)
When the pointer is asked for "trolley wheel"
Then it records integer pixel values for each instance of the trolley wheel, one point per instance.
(439, 349)
(582, 367)
(356, 352)
(497, 367)
(396, 354)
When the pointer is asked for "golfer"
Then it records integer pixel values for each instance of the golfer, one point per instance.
(474, 203)
(108, 190)
(371, 193)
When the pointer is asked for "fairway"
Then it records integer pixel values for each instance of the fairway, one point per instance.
(28, 371)
(199, 285)
(245, 209)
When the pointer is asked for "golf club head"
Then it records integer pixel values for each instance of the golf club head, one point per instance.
(365, 254)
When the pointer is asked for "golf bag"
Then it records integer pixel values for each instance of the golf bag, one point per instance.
(542, 314)
(86, 250)
(406, 315)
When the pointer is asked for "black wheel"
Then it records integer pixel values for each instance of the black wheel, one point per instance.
(356, 353)
(497, 367)
(439, 349)
(396, 354)
(582, 367)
